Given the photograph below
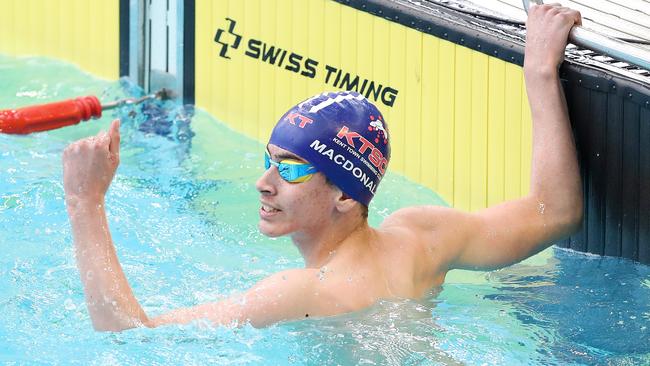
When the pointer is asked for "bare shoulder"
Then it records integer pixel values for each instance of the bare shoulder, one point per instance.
(435, 233)
(425, 217)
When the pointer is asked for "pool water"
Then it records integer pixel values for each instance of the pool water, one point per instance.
(183, 212)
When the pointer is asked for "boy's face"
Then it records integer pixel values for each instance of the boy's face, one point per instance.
(288, 208)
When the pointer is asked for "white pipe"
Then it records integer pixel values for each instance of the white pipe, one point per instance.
(612, 47)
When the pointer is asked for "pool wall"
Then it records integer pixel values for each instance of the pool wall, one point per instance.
(79, 31)
(450, 86)
(458, 118)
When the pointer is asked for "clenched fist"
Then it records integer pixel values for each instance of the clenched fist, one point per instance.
(89, 166)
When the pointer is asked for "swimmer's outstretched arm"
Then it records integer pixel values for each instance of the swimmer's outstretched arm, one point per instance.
(89, 166)
(511, 231)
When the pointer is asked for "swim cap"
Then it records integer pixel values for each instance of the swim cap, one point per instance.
(343, 135)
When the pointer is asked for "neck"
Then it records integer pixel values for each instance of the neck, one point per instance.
(319, 246)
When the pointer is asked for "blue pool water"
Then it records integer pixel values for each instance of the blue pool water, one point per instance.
(183, 212)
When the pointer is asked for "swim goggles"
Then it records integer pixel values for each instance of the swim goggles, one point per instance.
(292, 171)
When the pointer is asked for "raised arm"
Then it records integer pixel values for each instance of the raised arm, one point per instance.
(511, 231)
(89, 166)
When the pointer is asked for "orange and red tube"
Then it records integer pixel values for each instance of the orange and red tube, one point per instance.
(49, 116)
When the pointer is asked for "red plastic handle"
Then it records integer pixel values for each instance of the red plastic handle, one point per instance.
(49, 116)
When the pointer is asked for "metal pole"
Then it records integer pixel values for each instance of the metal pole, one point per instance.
(614, 48)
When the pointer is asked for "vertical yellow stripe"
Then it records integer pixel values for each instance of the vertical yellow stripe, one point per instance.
(7, 28)
(430, 122)
(462, 127)
(283, 90)
(38, 29)
(51, 32)
(380, 66)
(251, 89)
(316, 44)
(74, 14)
(235, 96)
(332, 31)
(60, 50)
(20, 26)
(479, 142)
(348, 41)
(299, 46)
(397, 64)
(268, 115)
(30, 39)
(446, 59)
(496, 131)
(513, 132)
(364, 48)
(413, 105)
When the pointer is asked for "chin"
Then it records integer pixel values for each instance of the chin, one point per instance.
(268, 229)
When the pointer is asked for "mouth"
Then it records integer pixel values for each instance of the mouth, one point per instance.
(267, 211)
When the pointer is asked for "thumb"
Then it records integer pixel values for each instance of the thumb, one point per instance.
(114, 133)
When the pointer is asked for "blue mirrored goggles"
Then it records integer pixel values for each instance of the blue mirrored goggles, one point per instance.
(293, 171)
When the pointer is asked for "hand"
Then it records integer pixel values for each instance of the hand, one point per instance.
(547, 31)
(89, 165)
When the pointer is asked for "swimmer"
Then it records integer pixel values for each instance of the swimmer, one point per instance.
(324, 160)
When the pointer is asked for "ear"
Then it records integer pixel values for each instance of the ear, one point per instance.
(345, 203)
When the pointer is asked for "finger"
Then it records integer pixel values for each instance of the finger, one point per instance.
(114, 133)
(577, 17)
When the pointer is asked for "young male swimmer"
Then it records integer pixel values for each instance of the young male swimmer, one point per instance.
(324, 160)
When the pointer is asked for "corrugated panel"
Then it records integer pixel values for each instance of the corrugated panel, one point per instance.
(82, 32)
(611, 124)
(457, 121)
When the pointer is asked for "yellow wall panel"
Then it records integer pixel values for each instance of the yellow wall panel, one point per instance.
(220, 66)
(268, 112)
(413, 105)
(316, 43)
(364, 49)
(496, 131)
(299, 44)
(459, 123)
(397, 77)
(513, 99)
(250, 81)
(348, 42)
(462, 127)
(429, 130)
(445, 120)
(6, 25)
(479, 139)
(79, 31)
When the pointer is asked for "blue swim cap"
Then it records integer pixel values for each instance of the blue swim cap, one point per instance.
(343, 135)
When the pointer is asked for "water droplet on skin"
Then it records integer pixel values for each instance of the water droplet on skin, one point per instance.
(541, 208)
(321, 273)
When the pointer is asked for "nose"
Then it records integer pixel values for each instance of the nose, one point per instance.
(266, 184)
